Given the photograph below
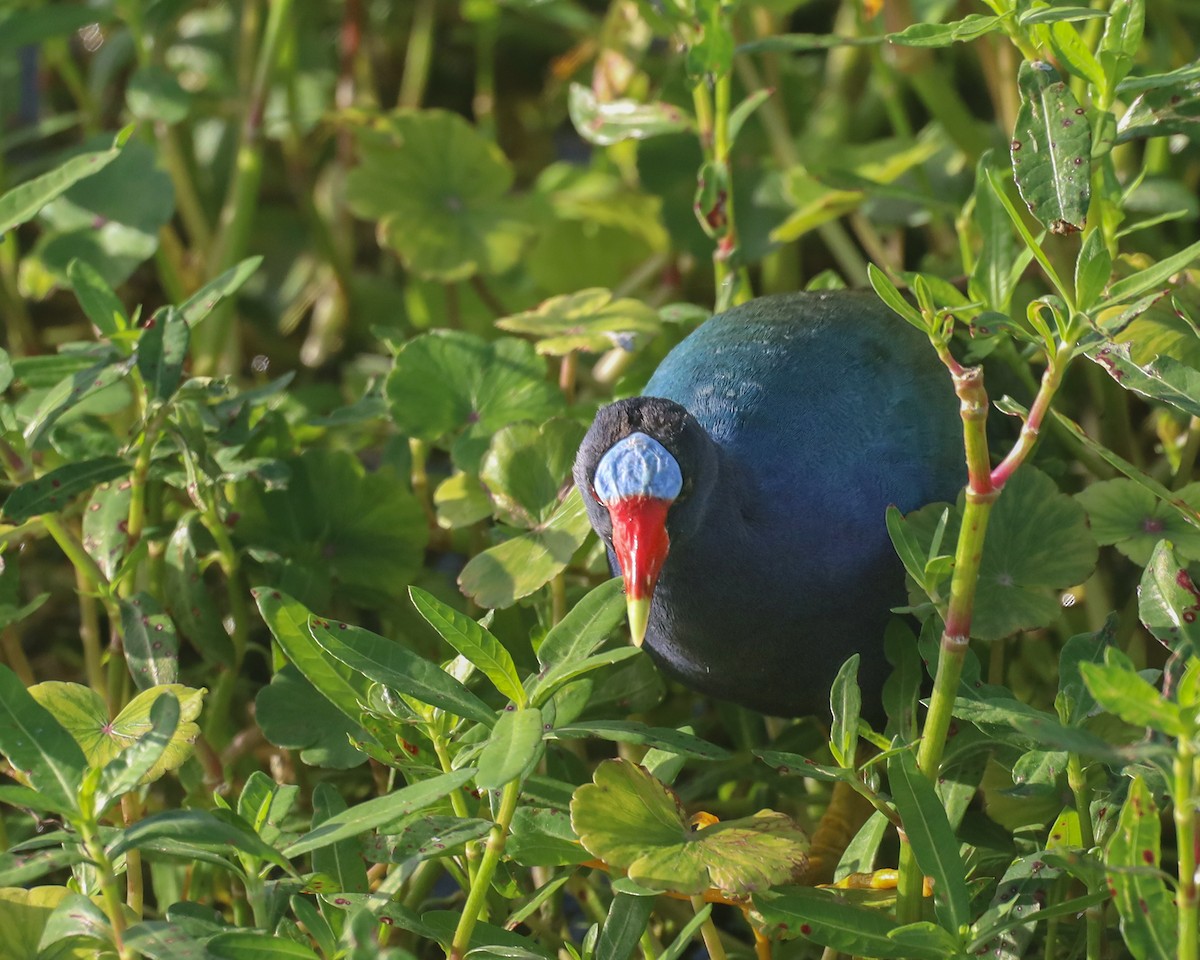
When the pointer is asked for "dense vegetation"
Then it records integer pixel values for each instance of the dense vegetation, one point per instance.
(308, 650)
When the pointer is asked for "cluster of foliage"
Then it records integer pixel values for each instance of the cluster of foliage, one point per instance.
(326, 665)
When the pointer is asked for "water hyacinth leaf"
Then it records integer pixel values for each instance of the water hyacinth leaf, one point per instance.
(473, 641)
(380, 812)
(501, 575)
(151, 644)
(458, 389)
(83, 713)
(526, 466)
(590, 321)
(1169, 601)
(604, 123)
(23, 202)
(188, 598)
(391, 664)
(161, 351)
(543, 837)
(633, 822)
(201, 303)
(512, 750)
(288, 621)
(1128, 516)
(1132, 867)
(292, 714)
(98, 301)
(52, 491)
(364, 543)
(38, 745)
(68, 392)
(1051, 150)
(824, 918)
(424, 837)
(439, 191)
(1162, 378)
(342, 861)
(1163, 112)
(128, 769)
(933, 841)
(632, 731)
(586, 625)
(1121, 691)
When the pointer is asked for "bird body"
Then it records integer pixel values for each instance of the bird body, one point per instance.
(794, 421)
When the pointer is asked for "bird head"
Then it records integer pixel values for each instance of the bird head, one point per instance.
(633, 469)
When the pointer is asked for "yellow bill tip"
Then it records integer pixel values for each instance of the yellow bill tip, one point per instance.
(639, 615)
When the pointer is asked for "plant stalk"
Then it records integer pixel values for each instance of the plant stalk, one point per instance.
(1185, 834)
(487, 869)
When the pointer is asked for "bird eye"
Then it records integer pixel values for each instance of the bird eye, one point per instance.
(599, 499)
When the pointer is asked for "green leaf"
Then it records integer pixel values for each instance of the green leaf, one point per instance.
(97, 299)
(1074, 702)
(393, 665)
(161, 351)
(24, 917)
(821, 916)
(1132, 866)
(1122, 37)
(1129, 516)
(1056, 14)
(608, 122)
(458, 389)
(623, 926)
(1051, 149)
(439, 189)
(221, 831)
(542, 837)
(461, 500)
(187, 596)
(970, 27)
(151, 644)
(292, 714)
(51, 492)
(248, 945)
(342, 860)
(793, 764)
(1162, 378)
(23, 202)
(154, 94)
(201, 303)
(425, 837)
(526, 466)
(501, 575)
(68, 392)
(1153, 276)
(933, 841)
(106, 526)
(890, 294)
(379, 812)
(845, 703)
(1169, 600)
(1038, 542)
(1119, 690)
(631, 731)
(162, 940)
(1162, 112)
(472, 641)
(992, 280)
(21, 867)
(38, 745)
(555, 678)
(590, 321)
(513, 748)
(1093, 267)
(365, 543)
(130, 768)
(635, 823)
(586, 626)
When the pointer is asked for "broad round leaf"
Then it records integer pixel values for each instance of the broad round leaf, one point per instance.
(590, 320)
(459, 389)
(439, 190)
(1132, 519)
(527, 466)
(292, 714)
(632, 821)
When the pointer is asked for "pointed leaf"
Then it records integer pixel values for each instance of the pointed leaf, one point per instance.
(631, 731)
(161, 351)
(97, 299)
(1132, 866)
(1119, 690)
(586, 625)
(604, 124)
(151, 644)
(201, 303)
(128, 769)
(1162, 378)
(513, 748)
(23, 202)
(1169, 602)
(68, 392)
(52, 491)
(37, 745)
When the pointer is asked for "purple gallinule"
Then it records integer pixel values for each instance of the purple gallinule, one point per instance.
(742, 498)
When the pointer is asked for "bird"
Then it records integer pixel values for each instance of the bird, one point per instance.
(742, 497)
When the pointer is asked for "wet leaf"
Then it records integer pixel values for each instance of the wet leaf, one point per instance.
(607, 122)
(51, 492)
(1051, 150)
(635, 823)
(439, 191)
(590, 321)
(151, 644)
(513, 748)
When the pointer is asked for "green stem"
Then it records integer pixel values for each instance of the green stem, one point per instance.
(1082, 793)
(418, 55)
(458, 802)
(114, 909)
(1185, 833)
(85, 566)
(487, 869)
(708, 930)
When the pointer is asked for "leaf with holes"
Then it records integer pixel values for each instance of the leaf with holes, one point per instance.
(1051, 149)
(633, 822)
